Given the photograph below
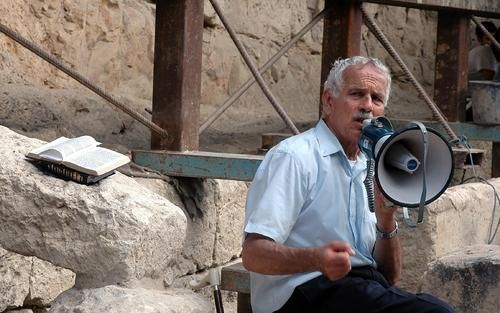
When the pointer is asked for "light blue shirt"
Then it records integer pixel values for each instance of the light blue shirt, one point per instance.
(306, 193)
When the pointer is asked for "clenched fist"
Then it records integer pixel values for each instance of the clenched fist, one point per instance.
(333, 259)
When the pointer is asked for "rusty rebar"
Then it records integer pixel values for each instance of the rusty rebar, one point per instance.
(82, 80)
(485, 32)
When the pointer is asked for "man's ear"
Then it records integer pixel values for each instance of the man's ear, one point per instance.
(326, 99)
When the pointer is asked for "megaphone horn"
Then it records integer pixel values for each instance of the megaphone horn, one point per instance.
(409, 162)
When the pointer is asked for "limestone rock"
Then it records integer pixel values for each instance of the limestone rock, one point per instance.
(215, 237)
(89, 36)
(47, 282)
(114, 299)
(30, 281)
(460, 218)
(113, 232)
(469, 279)
(15, 272)
(50, 113)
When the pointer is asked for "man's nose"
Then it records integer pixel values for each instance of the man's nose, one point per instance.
(367, 104)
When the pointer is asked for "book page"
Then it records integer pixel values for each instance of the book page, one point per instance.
(64, 149)
(35, 153)
(96, 161)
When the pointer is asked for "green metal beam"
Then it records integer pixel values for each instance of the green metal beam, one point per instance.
(243, 166)
(469, 130)
(200, 164)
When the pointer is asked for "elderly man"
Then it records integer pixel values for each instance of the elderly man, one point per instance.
(311, 243)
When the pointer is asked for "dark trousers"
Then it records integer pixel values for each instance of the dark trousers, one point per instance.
(363, 290)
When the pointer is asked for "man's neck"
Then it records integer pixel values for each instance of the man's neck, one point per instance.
(352, 153)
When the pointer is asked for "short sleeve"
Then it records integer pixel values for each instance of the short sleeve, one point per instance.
(275, 197)
(487, 60)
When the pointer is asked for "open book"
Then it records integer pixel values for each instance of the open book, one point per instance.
(81, 154)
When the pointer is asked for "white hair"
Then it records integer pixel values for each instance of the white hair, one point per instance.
(335, 80)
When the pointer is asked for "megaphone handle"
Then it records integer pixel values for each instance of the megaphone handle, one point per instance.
(406, 216)
(370, 189)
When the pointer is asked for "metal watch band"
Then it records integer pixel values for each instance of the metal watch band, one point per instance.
(389, 235)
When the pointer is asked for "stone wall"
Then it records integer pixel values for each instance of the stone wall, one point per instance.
(111, 43)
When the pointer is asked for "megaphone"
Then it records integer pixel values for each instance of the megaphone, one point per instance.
(413, 166)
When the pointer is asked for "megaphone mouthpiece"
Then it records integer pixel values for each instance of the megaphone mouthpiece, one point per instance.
(398, 156)
(367, 122)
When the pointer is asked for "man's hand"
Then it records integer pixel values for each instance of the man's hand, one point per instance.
(333, 259)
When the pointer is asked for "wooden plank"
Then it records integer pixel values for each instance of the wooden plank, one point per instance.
(452, 46)
(200, 164)
(177, 73)
(341, 34)
(235, 278)
(490, 8)
(495, 159)
(244, 305)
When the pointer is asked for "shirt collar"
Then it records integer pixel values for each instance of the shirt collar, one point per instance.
(329, 143)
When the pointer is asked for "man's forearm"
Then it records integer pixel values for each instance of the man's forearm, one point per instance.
(262, 255)
(387, 253)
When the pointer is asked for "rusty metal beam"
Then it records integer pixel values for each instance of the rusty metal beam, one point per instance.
(177, 73)
(480, 8)
(450, 82)
(341, 34)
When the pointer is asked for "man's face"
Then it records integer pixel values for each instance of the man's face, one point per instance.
(363, 90)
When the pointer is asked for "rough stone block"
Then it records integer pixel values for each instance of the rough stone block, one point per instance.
(469, 279)
(214, 233)
(47, 282)
(30, 281)
(461, 217)
(14, 279)
(113, 232)
(114, 299)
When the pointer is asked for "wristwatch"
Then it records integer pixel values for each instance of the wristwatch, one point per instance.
(389, 235)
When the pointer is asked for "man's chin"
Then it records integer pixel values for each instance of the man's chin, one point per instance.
(356, 133)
